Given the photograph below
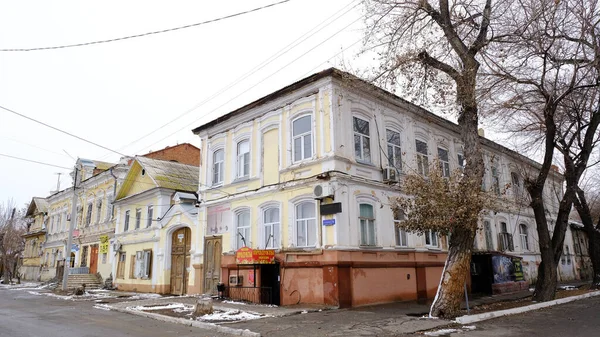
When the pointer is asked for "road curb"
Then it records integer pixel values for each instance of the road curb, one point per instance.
(197, 324)
(493, 314)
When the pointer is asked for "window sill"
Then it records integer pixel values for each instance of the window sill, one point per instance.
(365, 163)
(369, 247)
(434, 248)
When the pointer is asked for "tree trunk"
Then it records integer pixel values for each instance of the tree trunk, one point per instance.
(456, 271)
(592, 233)
(547, 279)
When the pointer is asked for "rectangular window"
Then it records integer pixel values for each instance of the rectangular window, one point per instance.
(306, 224)
(98, 210)
(121, 265)
(243, 159)
(104, 258)
(243, 229)
(461, 162)
(218, 162)
(496, 179)
(401, 239)
(149, 216)
(271, 228)
(422, 158)
(431, 238)
(367, 225)
(302, 138)
(394, 151)
(444, 162)
(109, 207)
(126, 225)
(138, 217)
(362, 140)
(88, 216)
(143, 262)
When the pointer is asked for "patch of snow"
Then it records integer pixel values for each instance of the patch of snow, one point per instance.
(532, 289)
(158, 307)
(441, 332)
(186, 308)
(230, 315)
(102, 307)
(234, 302)
(144, 296)
(34, 293)
(304, 312)
(469, 327)
(567, 288)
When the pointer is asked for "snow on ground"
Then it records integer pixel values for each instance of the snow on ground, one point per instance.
(159, 307)
(234, 302)
(102, 307)
(441, 332)
(567, 288)
(144, 296)
(230, 315)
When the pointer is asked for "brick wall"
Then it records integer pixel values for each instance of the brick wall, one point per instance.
(183, 153)
(509, 287)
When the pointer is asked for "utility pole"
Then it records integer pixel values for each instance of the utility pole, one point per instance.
(71, 227)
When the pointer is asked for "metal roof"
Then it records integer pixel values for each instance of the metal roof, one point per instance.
(172, 175)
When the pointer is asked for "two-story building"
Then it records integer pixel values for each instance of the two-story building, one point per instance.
(34, 239)
(308, 170)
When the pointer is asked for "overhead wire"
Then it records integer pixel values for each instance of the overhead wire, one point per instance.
(256, 68)
(144, 34)
(62, 131)
(255, 85)
(34, 161)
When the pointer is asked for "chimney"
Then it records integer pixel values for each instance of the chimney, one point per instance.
(481, 132)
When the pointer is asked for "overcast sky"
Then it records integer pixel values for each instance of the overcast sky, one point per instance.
(115, 93)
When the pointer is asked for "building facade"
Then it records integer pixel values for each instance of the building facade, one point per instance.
(308, 171)
(35, 238)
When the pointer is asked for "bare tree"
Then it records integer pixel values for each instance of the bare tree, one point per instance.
(542, 81)
(587, 204)
(12, 243)
(433, 47)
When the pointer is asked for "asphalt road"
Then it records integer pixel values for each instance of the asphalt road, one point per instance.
(578, 318)
(26, 315)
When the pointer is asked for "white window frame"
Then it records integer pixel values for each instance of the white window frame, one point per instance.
(400, 234)
(524, 235)
(305, 222)
(393, 161)
(149, 216)
(422, 158)
(369, 222)
(88, 213)
(444, 164)
(98, 210)
(269, 228)
(242, 161)
(246, 229)
(126, 220)
(219, 167)
(138, 218)
(433, 238)
(495, 174)
(361, 157)
(302, 136)
(143, 263)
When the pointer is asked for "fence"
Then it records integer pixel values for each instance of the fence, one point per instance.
(262, 295)
(79, 270)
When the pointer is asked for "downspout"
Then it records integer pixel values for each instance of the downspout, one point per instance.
(114, 192)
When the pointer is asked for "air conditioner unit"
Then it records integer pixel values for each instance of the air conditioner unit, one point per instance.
(390, 175)
(236, 280)
(323, 191)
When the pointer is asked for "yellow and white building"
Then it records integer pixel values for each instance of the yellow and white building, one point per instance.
(158, 241)
(35, 237)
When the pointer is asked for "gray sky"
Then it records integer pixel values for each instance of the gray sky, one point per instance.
(115, 93)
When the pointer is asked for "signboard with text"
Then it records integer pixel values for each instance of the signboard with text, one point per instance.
(247, 255)
(103, 247)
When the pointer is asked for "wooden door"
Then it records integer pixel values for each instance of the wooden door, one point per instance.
(180, 260)
(212, 264)
(94, 259)
(121, 265)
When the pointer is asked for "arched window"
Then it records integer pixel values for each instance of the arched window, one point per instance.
(242, 229)
(218, 161)
(302, 138)
(394, 150)
(243, 159)
(366, 219)
(362, 140)
(524, 239)
(271, 228)
(306, 224)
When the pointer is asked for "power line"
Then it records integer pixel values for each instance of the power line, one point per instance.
(258, 67)
(59, 130)
(144, 34)
(255, 85)
(34, 161)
